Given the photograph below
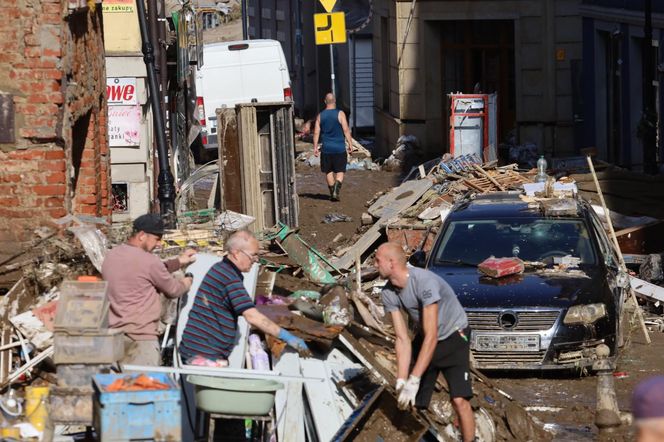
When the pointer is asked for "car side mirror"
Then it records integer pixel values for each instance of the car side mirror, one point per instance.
(418, 259)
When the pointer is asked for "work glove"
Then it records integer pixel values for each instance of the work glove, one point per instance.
(294, 342)
(400, 384)
(409, 392)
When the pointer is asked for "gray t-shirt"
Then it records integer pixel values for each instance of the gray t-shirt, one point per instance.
(424, 288)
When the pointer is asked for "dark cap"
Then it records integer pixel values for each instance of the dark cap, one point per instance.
(648, 398)
(149, 223)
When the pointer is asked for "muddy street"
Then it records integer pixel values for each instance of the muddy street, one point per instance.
(564, 402)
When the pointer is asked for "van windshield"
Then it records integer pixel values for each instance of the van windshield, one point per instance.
(471, 242)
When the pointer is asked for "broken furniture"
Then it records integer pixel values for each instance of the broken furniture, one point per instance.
(256, 163)
(473, 125)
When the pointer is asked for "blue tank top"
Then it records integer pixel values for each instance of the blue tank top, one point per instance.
(331, 133)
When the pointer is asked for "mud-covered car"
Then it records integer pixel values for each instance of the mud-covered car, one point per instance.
(567, 302)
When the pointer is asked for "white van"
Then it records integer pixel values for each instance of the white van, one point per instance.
(239, 72)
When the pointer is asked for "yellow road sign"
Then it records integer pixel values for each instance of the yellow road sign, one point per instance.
(330, 28)
(328, 4)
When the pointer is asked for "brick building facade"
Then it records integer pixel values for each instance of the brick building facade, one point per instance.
(53, 143)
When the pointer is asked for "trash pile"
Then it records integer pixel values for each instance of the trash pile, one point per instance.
(346, 387)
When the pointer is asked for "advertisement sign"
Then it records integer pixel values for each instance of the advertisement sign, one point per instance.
(121, 91)
(117, 6)
(124, 125)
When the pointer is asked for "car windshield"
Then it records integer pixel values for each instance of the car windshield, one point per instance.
(531, 239)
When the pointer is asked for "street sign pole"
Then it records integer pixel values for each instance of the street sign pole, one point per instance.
(334, 89)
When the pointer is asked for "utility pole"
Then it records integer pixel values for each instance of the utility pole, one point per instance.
(166, 191)
(648, 124)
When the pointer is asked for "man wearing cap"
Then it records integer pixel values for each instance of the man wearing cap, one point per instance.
(135, 278)
(648, 410)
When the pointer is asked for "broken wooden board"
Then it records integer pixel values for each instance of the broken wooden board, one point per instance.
(288, 402)
(400, 198)
(646, 289)
(348, 259)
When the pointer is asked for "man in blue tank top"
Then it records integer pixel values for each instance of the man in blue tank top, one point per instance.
(332, 129)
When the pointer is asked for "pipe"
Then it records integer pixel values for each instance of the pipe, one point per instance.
(166, 191)
(224, 372)
(245, 33)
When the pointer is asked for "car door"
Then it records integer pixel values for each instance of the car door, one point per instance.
(611, 263)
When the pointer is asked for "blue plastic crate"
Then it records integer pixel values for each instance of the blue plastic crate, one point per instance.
(136, 415)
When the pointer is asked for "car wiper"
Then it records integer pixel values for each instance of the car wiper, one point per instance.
(456, 261)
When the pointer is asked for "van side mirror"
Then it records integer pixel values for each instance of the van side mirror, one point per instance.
(418, 259)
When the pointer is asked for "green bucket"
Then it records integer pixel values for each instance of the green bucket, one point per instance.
(239, 397)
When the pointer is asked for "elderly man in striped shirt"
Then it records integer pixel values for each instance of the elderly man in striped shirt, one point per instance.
(210, 333)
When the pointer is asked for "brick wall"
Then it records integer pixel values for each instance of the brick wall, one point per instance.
(52, 71)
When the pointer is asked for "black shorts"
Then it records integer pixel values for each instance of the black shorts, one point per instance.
(333, 162)
(451, 358)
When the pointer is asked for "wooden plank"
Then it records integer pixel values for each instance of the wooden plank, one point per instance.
(252, 197)
(321, 398)
(646, 289)
(366, 241)
(288, 402)
(399, 198)
(230, 166)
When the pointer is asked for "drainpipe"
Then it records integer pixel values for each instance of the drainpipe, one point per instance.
(245, 33)
(299, 56)
(166, 191)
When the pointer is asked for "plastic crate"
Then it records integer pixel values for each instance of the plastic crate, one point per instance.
(79, 375)
(82, 306)
(127, 415)
(70, 405)
(104, 347)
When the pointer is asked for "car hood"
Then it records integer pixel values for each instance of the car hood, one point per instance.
(558, 290)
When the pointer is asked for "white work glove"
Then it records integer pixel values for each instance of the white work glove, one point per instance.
(400, 384)
(409, 392)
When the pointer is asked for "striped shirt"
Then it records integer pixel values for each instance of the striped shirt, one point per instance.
(211, 328)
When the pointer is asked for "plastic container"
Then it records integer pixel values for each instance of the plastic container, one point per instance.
(79, 375)
(72, 406)
(104, 347)
(238, 397)
(82, 306)
(35, 406)
(127, 415)
(541, 176)
(259, 358)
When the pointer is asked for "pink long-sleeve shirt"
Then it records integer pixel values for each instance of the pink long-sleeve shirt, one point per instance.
(135, 278)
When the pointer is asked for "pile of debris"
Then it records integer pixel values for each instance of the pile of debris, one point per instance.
(346, 388)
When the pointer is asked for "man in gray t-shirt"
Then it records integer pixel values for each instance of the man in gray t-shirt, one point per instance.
(441, 335)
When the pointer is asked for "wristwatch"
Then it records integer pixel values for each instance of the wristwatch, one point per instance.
(189, 275)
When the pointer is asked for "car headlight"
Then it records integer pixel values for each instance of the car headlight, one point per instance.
(585, 314)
